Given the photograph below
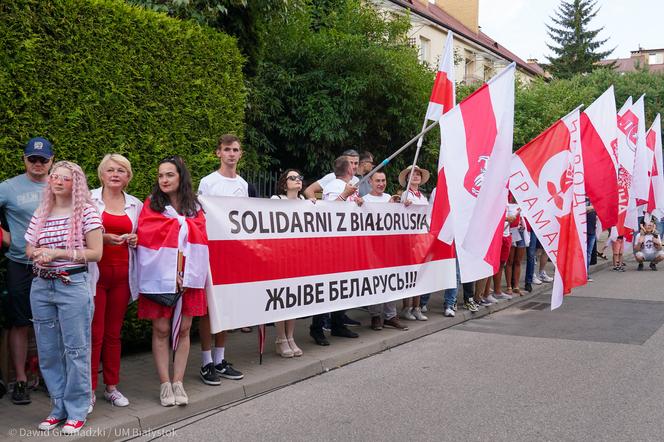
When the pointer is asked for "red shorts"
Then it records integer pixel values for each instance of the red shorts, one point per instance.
(505, 249)
(194, 303)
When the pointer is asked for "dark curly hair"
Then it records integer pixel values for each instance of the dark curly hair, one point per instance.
(283, 179)
(189, 204)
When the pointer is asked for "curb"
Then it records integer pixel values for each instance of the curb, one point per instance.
(147, 420)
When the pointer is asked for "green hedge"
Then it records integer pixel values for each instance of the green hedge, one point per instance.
(100, 76)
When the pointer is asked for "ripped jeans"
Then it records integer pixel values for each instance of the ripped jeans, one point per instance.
(62, 315)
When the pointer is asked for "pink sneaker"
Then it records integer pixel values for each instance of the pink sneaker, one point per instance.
(50, 423)
(72, 426)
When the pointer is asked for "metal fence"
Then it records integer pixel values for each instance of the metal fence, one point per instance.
(264, 182)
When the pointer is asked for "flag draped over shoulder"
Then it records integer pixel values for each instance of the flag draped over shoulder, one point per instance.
(476, 146)
(160, 237)
(547, 180)
(656, 193)
(443, 98)
(600, 162)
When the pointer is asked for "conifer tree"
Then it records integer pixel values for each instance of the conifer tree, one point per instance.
(575, 46)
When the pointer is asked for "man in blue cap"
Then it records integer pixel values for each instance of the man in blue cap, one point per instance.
(19, 198)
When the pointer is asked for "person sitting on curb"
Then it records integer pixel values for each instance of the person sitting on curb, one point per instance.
(648, 245)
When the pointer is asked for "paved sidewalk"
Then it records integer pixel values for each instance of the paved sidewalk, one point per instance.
(140, 384)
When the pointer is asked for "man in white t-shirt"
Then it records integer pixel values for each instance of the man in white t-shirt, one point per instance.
(340, 189)
(314, 188)
(223, 182)
(388, 310)
(648, 246)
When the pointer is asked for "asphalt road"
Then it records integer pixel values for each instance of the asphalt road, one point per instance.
(590, 371)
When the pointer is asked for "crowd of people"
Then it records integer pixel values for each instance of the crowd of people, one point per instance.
(73, 260)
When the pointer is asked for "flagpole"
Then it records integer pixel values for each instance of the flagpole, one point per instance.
(417, 153)
(401, 149)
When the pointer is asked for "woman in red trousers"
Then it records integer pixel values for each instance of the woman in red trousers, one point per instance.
(114, 278)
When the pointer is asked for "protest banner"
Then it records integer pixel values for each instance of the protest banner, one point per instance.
(273, 260)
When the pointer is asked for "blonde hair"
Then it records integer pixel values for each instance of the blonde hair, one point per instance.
(120, 159)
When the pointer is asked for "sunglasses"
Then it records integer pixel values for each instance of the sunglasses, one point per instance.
(65, 178)
(37, 159)
(295, 178)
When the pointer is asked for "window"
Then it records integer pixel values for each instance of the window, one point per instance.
(656, 58)
(425, 49)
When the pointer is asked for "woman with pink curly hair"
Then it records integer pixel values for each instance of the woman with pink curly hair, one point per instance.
(64, 234)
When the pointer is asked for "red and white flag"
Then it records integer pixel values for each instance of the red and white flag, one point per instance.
(656, 193)
(443, 98)
(443, 92)
(547, 181)
(600, 162)
(627, 134)
(160, 237)
(642, 166)
(476, 145)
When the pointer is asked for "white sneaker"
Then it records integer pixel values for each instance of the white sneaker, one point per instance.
(544, 277)
(417, 313)
(536, 280)
(116, 398)
(502, 295)
(181, 397)
(166, 395)
(424, 309)
(93, 400)
(407, 314)
(491, 299)
(448, 312)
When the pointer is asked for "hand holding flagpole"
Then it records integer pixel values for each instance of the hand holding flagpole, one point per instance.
(442, 98)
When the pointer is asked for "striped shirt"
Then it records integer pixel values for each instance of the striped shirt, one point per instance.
(55, 233)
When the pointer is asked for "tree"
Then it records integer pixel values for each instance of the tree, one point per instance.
(337, 75)
(575, 46)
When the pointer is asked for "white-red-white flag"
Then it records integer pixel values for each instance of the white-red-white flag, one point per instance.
(161, 236)
(547, 180)
(443, 93)
(476, 145)
(642, 166)
(600, 162)
(625, 147)
(442, 99)
(656, 193)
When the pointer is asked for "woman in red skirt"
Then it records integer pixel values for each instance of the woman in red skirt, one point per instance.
(172, 258)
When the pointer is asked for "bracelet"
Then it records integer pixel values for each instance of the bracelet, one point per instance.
(341, 198)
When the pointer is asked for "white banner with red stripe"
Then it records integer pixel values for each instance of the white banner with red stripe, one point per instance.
(273, 260)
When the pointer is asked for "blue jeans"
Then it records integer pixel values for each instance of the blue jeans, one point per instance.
(450, 295)
(531, 251)
(591, 243)
(62, 315)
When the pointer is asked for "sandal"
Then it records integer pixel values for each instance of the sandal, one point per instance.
(517, 290)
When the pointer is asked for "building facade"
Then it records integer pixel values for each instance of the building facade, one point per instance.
(648, 59)
(477, 57)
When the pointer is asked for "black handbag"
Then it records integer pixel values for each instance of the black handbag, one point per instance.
(165, 299)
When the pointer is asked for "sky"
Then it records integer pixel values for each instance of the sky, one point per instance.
(520, 25)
